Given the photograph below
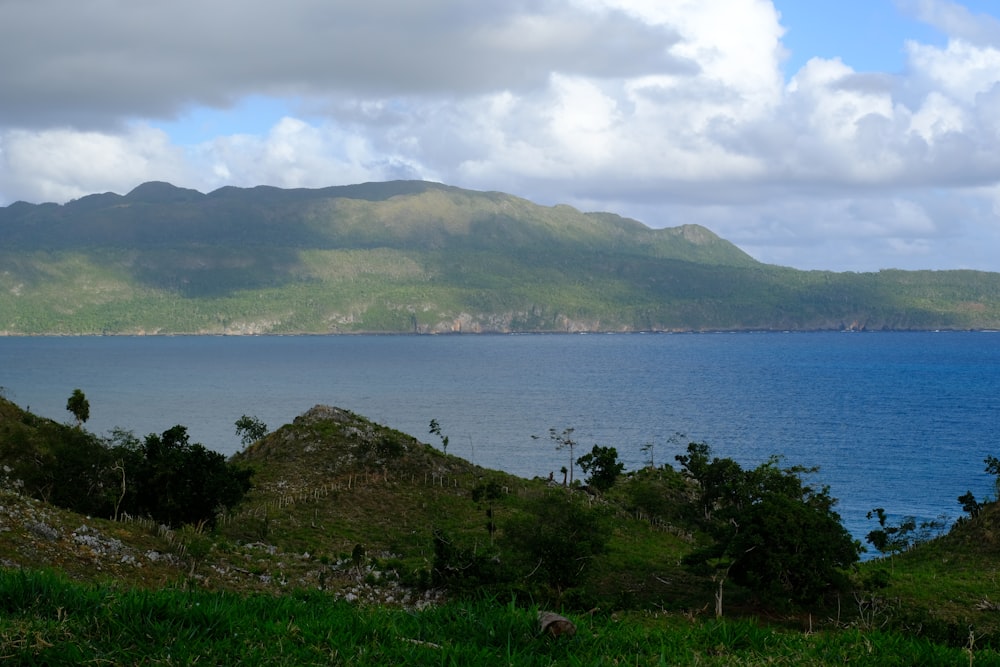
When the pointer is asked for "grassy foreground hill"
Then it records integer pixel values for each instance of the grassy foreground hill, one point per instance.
(412, 256)
(327, 561)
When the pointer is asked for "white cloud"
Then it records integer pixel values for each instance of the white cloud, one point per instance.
(955, 20)
(938, 116)
(62, 164)
(961, 70)
(734, 44)
(670, 112)
(296, 154)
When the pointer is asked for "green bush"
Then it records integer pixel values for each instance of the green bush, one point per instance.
(556, 538)
(463, 570)
(179, 482)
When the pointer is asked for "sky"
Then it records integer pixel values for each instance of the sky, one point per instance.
(855, 135)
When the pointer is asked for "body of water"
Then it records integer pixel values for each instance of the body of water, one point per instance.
(895, 420)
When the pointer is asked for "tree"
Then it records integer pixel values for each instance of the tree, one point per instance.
(992, 465)
(436, 430)
(556, 538)
(768, 529)
(719, 481)
(250, 429)
(77, 474)
(563, 440)
(179, 482)
(892, 539)
(970, 505)
(79, 407)
(603, 465)
(887, 538)
(650, 449)
(993, 468)
(794, 548)
(119, 466)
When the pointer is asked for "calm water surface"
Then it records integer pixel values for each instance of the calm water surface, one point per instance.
(898, 420)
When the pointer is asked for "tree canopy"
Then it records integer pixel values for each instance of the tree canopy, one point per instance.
(768, 529)
(603, 466)
(178, 482)
(78, 406)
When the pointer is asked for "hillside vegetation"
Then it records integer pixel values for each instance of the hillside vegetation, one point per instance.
(421, 257)
(359, 544)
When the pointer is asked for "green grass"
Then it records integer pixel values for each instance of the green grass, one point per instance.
(49, 620)
(947, 587)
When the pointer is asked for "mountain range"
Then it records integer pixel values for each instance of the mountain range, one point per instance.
(421, 257)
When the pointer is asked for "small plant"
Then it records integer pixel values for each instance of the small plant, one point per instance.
(195, 545)
(119, 466)
(358, 558)
(459, 568)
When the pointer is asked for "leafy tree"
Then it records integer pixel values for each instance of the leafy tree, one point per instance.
(250, 429)
(892, 539)
(768, 529)
(556, 539)
(77, 474)
(993, 468)
(79, 407)
(659, 493)
(62, 464)
(794, 548)
(719, 481)
(887, 538)
(970, 505)
(603, 465)
(179, 482)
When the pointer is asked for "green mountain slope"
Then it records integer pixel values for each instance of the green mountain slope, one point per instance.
(411, 256)
(327, 482)
(343, 508)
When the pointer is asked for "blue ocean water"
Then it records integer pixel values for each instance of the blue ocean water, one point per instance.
(895, 420)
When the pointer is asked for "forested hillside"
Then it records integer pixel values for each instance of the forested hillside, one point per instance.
(421, 257)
